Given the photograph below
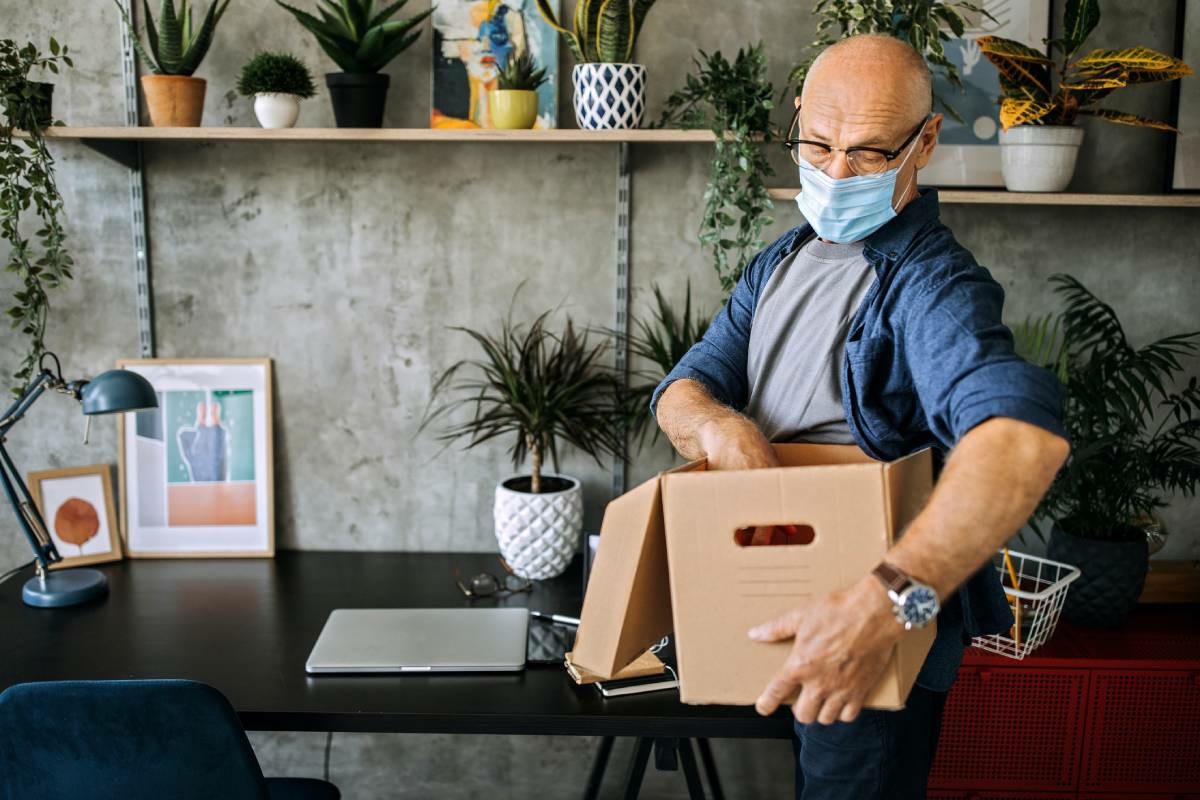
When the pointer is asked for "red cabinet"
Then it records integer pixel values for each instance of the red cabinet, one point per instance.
(1093, 714)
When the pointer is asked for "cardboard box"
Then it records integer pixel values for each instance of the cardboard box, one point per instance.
(670, 560)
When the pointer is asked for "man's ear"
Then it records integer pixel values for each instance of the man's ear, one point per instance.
(928, 141)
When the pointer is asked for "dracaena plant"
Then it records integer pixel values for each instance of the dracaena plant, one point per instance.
(521, 73)
(1133, 437)
(358, 35)
(1036, 90)
(536, 387)
(921, 23)
(29, 196)
(177, 44)
(603, 31)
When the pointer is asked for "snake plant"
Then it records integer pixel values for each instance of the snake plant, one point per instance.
(358, 37)
(177, 46)
(603, 31)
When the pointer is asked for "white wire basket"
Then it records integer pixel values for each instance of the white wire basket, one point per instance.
(1036, 597)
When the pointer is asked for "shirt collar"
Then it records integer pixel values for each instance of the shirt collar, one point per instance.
(894, 237)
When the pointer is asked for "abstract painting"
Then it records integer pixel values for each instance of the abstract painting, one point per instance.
(968, 153)
(471, 39)
(77, 506)
(196, 473)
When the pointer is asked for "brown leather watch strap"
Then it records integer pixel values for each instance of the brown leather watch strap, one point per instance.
(892, 578)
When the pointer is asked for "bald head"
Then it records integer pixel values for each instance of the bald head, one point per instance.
(875, 71)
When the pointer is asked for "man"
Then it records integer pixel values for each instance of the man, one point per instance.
(871, 325)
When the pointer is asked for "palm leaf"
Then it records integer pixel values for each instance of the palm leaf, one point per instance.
(1127, 118)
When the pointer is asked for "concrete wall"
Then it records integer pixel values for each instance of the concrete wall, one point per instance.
(346, 263)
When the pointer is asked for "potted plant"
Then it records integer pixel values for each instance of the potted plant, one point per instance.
(362, 40)
(610, 92)
(733, 99)
(540, 388)
(177, 46)
(515, 103)
(31, 208)
(1132, 440)
(1041, 99)
(277, 82)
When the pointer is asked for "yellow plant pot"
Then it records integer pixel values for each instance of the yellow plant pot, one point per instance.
(175, 101)
(513, 108)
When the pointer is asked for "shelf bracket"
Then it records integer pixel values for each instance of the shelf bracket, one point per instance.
(621, 305)
(124, 152)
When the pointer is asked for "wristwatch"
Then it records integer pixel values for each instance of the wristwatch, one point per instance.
(914, 603)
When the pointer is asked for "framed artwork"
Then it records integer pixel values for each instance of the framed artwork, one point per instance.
(77, 506)
(968, 153)
(1185, 163)
(470, 39)
(196, 472)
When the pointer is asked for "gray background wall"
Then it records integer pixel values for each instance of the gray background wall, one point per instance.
(346, 263)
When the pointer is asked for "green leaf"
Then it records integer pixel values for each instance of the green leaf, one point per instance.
(170, 40)
(1079, 19)
(1127, 118)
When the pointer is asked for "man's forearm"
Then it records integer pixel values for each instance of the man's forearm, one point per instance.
(683, 411)
(992, 482)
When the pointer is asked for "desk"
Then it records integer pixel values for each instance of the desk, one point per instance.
(246, 627)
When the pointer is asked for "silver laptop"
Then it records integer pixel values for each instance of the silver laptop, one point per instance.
(421, 640)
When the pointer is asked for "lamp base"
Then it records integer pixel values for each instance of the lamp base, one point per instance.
(69, 587)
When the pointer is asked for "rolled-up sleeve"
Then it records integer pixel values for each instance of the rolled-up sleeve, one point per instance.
(963, 362)
(718, 360)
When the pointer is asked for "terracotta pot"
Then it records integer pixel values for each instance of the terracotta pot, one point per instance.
(175, 101)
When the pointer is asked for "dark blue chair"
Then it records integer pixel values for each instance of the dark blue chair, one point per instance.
(132, 740)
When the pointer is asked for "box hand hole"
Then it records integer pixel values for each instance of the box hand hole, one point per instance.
(774, 535)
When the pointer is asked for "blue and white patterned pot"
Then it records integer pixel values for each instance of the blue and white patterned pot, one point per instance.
(609, 95)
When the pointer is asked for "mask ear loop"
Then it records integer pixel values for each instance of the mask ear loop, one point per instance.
(912, 149)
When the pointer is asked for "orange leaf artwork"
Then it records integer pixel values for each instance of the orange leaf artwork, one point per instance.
(76, 521)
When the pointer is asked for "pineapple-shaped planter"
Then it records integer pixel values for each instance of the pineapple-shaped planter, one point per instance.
(539, 534)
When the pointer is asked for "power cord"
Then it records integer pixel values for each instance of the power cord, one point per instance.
(328, 747)
(15, 570)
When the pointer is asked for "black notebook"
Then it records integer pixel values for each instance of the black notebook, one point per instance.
(647, 683)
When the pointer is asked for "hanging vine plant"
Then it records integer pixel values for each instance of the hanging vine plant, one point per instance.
(733, 99)
(29, 197)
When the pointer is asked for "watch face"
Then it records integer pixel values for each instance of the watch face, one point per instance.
(919, 606)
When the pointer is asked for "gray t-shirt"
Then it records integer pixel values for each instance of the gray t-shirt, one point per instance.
(798, 342)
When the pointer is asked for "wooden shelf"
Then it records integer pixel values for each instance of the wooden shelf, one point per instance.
(1002, 197)
(216, 134)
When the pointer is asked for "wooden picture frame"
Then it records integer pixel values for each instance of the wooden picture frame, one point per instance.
(187, 490)
(57, 491)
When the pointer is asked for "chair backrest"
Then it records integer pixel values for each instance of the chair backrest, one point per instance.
(134, 740)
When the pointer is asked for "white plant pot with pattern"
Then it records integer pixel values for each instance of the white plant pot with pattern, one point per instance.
(609, 95)
(1039, 158)
(539, 534)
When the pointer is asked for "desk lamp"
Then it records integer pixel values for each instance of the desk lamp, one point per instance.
(112, 392)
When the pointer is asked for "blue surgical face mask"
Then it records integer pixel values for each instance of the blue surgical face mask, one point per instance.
(846, 210)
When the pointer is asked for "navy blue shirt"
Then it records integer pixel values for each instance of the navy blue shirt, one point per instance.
(927, 359)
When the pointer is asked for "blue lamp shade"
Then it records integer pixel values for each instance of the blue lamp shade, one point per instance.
(117, 390)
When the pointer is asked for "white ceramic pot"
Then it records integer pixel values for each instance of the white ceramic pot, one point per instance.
(609, 95)
(1039, 158)
(276, 110)
(539, 534)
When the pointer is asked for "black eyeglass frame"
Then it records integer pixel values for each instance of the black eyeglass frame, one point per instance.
(891, 155)
(502, 587)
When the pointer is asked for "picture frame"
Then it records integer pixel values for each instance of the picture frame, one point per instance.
(78, 507)
(968, 154)
(1183, 172)
(196, 473)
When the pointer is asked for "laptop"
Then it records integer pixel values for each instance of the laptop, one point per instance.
(367, 640)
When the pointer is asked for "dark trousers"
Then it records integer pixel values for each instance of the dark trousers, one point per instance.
(882, 755)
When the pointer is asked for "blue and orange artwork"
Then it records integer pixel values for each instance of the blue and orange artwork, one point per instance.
(471, 40)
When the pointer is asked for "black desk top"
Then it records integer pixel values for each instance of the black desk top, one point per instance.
(247, 626)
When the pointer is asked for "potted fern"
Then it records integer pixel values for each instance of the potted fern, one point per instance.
(610, 92)
(539, 388)
(277, 82)
(177, 45)
(515, 104)
(1133, 439)
(1041, 98)
(361, 39)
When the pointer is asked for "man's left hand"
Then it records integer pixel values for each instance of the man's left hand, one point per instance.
(842, 643)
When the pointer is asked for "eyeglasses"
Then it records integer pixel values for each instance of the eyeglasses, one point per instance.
(486, 584)
(862, 160)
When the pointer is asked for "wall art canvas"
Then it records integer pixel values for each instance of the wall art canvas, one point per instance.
(196, 472)
(471, 38)
(968, 153)
(77, 506)
(1185, 172)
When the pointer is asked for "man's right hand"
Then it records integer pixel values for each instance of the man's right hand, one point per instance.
(733, 442)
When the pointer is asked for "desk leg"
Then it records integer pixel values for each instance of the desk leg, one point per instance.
(690, 774)
(599, 765)
(710, 769)
(637, 767)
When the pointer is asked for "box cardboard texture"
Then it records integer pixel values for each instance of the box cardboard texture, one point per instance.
(668, 560)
